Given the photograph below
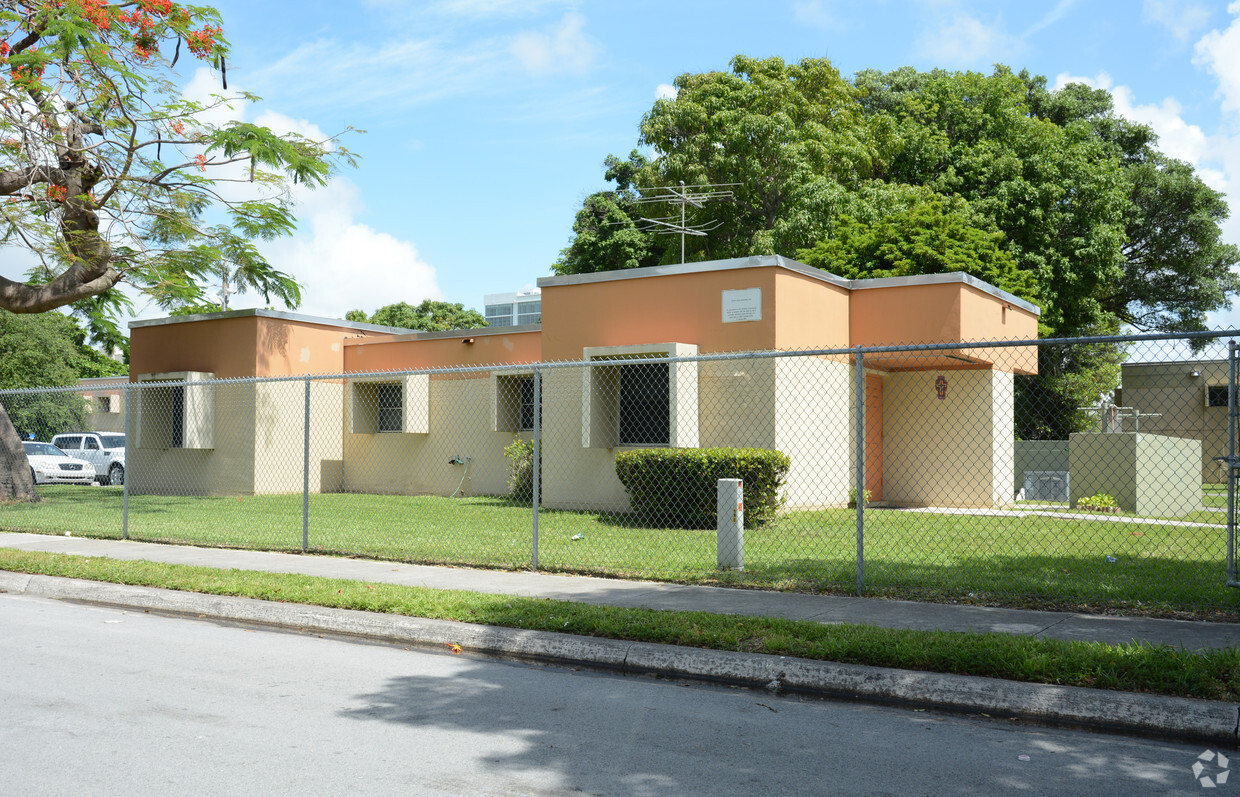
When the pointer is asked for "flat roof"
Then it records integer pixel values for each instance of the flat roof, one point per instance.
(418, 334)
(779, 261)
(259, 313)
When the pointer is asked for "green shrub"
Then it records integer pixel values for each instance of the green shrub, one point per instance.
(1098, 501)
(520, 453)
(677, 487)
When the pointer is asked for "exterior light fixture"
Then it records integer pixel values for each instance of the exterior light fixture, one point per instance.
(1194, 373)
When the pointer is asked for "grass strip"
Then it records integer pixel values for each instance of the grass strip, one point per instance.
(1159, 669)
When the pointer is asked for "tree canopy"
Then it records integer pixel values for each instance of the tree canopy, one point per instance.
(1049, 195)
(111, 175)
(47, 350)
(430, 316)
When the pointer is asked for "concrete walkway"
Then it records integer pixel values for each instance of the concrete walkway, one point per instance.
(1165, 716)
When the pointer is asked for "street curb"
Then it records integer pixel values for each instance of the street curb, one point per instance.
(1128, 712)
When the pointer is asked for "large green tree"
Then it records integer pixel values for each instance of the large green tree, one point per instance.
(109, 175)
(429, 316)
(45, 350)
(1048, 194)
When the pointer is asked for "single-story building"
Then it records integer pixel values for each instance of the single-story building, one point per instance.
(435, 431)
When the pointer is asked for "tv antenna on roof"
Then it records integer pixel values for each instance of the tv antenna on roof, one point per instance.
(683, 195)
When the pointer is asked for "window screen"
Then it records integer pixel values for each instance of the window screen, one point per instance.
(644, 405)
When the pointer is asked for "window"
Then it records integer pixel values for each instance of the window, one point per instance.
(514, 405)
(640, 404)
(388, 404)
(179, 414)
(1216, 396)
(644, 408)
(499, 315)
(395, 404)
(529, 312)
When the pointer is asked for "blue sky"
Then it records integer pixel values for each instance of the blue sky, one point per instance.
(488, 120)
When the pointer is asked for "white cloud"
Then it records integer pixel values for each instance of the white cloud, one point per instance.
(811, 12)
(963, 41)
(565, 47)
(343, 265)
(1181, 17)
(1054, 15)
(665, 92)
(340, 263)
(1176, 137)
(1220, 53)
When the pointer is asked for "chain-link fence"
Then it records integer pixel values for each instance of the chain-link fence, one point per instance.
(1002, 472)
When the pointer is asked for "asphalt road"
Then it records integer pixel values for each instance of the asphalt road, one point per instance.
(102, 701)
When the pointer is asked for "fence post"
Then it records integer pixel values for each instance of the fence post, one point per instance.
(859, 478)
(129, 446)
(1231, 461)
(305, 477)
(534, 486)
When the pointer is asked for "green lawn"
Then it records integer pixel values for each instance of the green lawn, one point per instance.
(1163, 669)
(1004, 560)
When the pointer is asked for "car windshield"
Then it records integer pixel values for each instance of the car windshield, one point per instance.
(112, 440)
(43, 450)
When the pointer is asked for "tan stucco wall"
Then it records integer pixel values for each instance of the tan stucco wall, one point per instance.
(279, 437)
(1146, 474)
(948, 452)
(1178, 400)
(414, 464)
(225, 469)
(812, 417)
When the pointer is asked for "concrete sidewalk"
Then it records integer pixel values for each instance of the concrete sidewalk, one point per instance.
(1175, 717)
(649, 595)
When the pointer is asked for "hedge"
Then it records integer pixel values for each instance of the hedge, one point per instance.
(677, 487)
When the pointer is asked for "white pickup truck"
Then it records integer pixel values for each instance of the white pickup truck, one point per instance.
(104, 450)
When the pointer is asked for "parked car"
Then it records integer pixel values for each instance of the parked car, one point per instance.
(50, 465)
(104, 450)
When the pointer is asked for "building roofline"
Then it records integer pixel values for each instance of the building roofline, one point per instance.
(943, 279)
(451, 333)
(779, 261)
(261, 313)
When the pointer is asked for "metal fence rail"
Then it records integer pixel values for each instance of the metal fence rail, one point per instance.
(982, 471)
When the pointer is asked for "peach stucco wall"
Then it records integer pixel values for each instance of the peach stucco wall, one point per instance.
(943, 313)
(408, 352)
(679, 308)
(248, 346)
(224, 347)
(811, 314)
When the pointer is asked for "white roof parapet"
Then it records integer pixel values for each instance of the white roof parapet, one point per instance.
(260, 313)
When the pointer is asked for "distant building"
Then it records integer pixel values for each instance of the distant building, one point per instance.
(1181, 399)
(514, 309)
